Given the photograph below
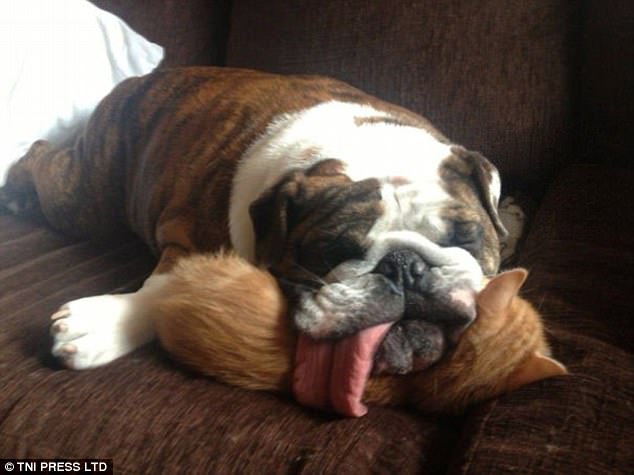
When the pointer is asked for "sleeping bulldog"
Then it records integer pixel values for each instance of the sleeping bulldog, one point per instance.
(359, 207)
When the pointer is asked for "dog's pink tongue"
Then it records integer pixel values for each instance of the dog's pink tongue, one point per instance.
(333, 374)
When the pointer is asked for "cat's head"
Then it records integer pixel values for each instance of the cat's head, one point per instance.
(504, 349)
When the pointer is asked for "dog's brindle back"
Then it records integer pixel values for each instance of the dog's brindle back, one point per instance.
(145, 161)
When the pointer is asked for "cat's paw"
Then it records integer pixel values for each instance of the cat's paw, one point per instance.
(93, 331)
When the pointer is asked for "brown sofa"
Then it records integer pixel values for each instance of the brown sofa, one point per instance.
(543, 88)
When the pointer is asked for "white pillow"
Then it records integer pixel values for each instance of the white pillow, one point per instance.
(58, 59)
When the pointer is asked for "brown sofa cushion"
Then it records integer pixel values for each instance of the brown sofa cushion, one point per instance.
(580, 255)
(492, 75)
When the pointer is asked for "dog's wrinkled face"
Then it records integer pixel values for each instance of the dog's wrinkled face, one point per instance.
(426, 291)
(313, 221)
(353, 254)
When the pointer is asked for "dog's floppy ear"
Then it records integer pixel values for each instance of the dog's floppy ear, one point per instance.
(486, 178)
(275, 212)
(269, 214)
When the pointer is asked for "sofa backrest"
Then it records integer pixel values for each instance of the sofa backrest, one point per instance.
(493, 75)
(532, 84)
(193, 32)
(606, 83)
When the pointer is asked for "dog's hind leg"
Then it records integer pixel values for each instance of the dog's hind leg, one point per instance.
(19, 194)
(58, 184)
(80, 189)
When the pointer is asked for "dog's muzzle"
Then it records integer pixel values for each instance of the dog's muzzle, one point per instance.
(430, 320)
(426, 292)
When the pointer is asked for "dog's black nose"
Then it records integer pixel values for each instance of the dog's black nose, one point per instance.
(403, 267)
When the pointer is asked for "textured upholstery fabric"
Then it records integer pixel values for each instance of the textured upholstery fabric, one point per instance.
(492, 75)
(606, 82)
(580, 255)
(580, 252)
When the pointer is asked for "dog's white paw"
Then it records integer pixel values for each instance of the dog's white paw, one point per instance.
(93, 331)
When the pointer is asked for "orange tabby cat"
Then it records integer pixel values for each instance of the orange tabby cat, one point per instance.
(227, 319)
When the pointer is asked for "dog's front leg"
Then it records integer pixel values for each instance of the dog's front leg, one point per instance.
(93, 331)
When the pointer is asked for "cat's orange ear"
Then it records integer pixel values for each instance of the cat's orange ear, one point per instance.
(535, 368)
(498, 294)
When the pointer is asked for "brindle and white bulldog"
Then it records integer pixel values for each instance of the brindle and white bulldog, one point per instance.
(365, 212)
